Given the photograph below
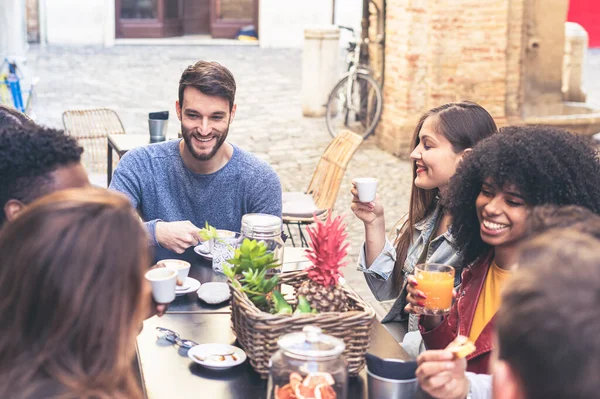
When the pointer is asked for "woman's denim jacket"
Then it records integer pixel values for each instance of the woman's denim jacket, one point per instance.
(379, 275)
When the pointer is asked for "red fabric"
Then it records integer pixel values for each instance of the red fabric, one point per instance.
(458, 322)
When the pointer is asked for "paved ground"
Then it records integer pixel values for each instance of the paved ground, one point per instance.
(134, 80)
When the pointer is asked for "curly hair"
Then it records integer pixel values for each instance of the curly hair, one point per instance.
(27, 157)
(547, 166)
(11, 117)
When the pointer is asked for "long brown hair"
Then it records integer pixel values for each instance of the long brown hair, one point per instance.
(463, 124)
(72, 297)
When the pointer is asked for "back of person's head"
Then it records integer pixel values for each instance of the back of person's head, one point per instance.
(545, 165)
(72, 295)
(211, 79)
(10, 117)
(546, 217)
(29, 158)
(463, 124)
(548, 325)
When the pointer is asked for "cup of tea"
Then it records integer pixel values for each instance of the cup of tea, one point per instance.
(436, 281)
(164, 282)
(366, 187)
(182, 267)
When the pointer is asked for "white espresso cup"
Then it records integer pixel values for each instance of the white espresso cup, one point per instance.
(182, 267)
(366, 187)
(163, 281)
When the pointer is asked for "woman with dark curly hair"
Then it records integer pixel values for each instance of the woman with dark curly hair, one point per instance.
(489, 199)
(441, 138)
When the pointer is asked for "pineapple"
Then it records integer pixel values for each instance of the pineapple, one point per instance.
(327, 253)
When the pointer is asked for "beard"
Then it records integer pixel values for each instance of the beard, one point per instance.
(187, 138)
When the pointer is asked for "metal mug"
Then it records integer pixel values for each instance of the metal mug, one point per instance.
(158, 129)
(380, 387)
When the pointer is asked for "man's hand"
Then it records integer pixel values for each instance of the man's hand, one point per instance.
(177, 236)
(441, 375)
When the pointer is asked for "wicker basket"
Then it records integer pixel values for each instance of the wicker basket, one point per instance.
(258, 331)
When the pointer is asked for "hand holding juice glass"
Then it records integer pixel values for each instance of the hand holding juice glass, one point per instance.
(436, 281)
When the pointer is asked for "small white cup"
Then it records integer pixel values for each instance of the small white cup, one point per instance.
(163, 283)
(182, 267)
(366, 187)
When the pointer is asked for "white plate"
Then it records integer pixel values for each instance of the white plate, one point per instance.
(209, 353)
(202, 250)
(190, 285)
(214, 292)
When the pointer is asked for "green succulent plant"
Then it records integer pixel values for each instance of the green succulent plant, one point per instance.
(252, 261)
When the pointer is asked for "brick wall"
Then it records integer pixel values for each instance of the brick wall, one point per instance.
(33, 25)
(439, 51)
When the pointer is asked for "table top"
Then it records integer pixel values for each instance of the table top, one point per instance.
(122, 143)
(167, 372)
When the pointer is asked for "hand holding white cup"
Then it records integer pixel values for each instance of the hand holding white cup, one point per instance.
(163, 282)
(366, 187)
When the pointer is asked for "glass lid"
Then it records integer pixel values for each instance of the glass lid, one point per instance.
(311, 343)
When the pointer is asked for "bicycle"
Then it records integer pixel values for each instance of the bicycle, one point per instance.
(11, 92)
(356, 101)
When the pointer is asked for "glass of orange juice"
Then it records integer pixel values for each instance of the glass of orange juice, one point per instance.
(436, 281)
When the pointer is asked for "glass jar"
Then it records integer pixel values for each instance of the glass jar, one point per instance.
(308, 364)
(265, 228)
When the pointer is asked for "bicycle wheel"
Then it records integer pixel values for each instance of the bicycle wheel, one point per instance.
(360, 111)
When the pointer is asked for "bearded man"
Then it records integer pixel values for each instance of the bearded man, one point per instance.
(179, 185)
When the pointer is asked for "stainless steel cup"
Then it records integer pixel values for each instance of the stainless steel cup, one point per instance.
(385, 388)
(158, 129)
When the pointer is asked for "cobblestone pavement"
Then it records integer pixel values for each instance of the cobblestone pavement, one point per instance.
(134, 80)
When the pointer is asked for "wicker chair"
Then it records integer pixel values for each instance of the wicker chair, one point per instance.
(90, 127)
(322, 192)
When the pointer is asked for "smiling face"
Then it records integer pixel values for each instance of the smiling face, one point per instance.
(204, 123)
(502, 214)
(434, 157)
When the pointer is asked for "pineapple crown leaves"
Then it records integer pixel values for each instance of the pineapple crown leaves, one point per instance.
(327, 251)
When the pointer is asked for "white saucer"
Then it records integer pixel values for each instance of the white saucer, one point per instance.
(206, 352)
(190, 285)
(202, 250)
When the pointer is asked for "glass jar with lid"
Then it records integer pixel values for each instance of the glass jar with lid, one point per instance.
(308, 364)
(265, 228)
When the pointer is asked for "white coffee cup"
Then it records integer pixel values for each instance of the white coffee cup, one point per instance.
(182, 267)
(366, 187)
(163, 281)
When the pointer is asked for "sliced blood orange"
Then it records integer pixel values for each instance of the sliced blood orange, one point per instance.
(285, 392)
(304, 392)
(295, 380)
(314, 379)
(324, 391)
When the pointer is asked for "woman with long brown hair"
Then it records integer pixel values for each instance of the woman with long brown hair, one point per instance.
(441, 138)
(72, 297)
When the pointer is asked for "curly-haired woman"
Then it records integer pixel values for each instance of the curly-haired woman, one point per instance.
(489, 200)
(72, 297)
(441, 138)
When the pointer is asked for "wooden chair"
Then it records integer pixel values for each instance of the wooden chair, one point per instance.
(90, 127)
(319, 199)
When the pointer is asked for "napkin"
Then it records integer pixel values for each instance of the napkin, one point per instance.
(393, 369)
(162, 115)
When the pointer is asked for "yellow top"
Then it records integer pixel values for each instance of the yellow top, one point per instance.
(489, 299)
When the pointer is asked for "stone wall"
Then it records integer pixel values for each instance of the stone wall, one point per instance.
(33, 21)
(439, 51)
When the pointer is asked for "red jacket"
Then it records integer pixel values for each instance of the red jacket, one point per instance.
(459, 321)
